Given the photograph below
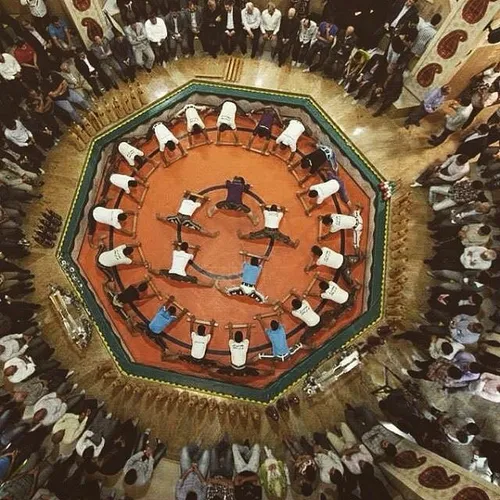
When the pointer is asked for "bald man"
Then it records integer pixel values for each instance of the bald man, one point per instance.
(251, 19)
(287, 35)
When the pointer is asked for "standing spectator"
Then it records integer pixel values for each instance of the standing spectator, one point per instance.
(231, 28)
(390, 92)
(209, 31)
(89, 67)
(27, 57)
(320, 45)
(176, 29)
(194, 464)
(287, 36)
(138, 39)
(487, 387)
(139, 468)
(269, 26)
(75, 80)
(474, 143)
(340, 53)
(10, 71)
(429, 105)
(193, 18)
(478, 101)
(21, 140)
(39, 13)
(426, 32)
(122, 52)
(58, 90)
(102, 51)
(453, 122)
(156, 31)
(251, 19)
(60, 34)
(307, 33)
(399, 15)
(91, 443)
(304, 473)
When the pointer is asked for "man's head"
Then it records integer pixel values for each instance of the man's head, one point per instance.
(484, 230)
(128, 251)
(312, 193)
(446, 348)
(474, 367)
(254, 261)
(271, 7)
(56, 21)
(132, 183)
(20, 396)
(196, 129)
(472, 428)
(211, 4)
(238, 336)
(323, 286)
(130, 477)
(122, 217)
(327, 220)
(9, 371)
(191, 496)
(475, 327)
(484, 128)
(192, 5)
(335, 476)
(296, 304)
(80, 53)
(152, 17)
(273, 208)
(97, 40)
(389, 448)
(64, 66)
(283, 146)
(462, 436)
(410, 3)
(316, 250)
(489, 255)
(454, 373)
(462, 159)
(172, 310)
(239, 179)
(476, 299)
(228, 5)
(249, 7)
(306, 489)
(170, 145)
(445, 89)
(306, 22)
(367, 469)
(436, 19)
(223, 127)
(20, 42)
(274, 325)
(291, 13)
(184, 246)
(25, 23)
(142, 287)
(349, 30)
(202, 330)
(2, 58)
(58, 436)
(477, 185)
(88, 454)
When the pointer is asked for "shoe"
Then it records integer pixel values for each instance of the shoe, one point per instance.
(416, 185)
(70, 373)
(44, 243)
(272, 413)
(307, 70)
(294, 63)
(51, 219)
(54, 214)
(299, 65)
(186, 56)
(176, 58)
(293, 399)
(283, 405)
(164, 65)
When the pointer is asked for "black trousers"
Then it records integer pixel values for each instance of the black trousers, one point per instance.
(317, 48)
(229, 43)
(283, 50)
(254, 42)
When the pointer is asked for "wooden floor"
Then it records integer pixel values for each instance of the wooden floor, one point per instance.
(396, 152)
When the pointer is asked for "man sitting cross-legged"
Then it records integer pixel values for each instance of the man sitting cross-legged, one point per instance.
(234, 199)
(165, 139)
(250, 275)
(165, 316)
(276, 334)
(180, 259)
(341, 222)
(324, 256)
(272, 218)
(184, 217)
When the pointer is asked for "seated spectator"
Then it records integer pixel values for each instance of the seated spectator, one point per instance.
(304, 474)
(75, 80)
(451, 170)
(453, 122)
(274, 476)
(143, 53)
(220, 484)
(60, 34)
(320, 46)
(487, 387)
(194, 465)
(122, 52)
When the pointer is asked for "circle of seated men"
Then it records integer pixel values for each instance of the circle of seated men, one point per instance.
(320, 162)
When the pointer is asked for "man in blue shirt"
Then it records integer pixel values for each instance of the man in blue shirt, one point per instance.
(250, 274)
(279, 344)
(429, 105)
(60, 34)
(324, 39)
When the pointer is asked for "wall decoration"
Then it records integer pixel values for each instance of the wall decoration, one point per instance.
(448, 45)
(471, 493)
(426, 75)
(437, 478)
(82, 5)
(93, 28)
(474, 10)
(408, 459)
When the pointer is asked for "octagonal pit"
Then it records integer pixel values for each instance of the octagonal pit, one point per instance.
(205, 169)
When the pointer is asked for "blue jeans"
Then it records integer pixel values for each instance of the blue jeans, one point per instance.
(67, 105)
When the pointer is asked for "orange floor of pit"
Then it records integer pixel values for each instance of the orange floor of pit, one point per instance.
(203, 167)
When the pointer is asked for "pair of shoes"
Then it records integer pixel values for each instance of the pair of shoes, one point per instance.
(294, 63)
(272, 413)
(416, 185)
(44, 242)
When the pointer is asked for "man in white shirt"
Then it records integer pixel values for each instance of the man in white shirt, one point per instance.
(324, 256)
(25, 365)
(318, 193)
(10, 69)
(426, 32)
(12, 346)
(135, 158)
(120, 255)
(166, 141)
(307, 33)
(199, 342)
(289, 137)
(23, 142)
(451, 170)
(226, 121)
(184, 216)
(342, 222)
(302, 310)
(126, 182)
(113, 217)
(273, 214)
(269, 26)
(453, 122)
(478, 258)
(250, 17)
(194, 122)
(156, 31)
(180, 260)
(50, 408)
(92, 441)
(39, 13)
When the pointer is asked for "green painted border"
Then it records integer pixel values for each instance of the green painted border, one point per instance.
(112, 341)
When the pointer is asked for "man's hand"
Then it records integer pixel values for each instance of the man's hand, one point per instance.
(274, 37)
(386, 26)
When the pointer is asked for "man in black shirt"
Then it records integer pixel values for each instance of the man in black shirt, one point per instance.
(287, 35)
(88, 65)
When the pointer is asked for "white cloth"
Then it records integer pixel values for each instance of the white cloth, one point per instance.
(457, 119)
(335, 293)
(230, 20)
(238, 352)
(270, 22)
(12, 346)
(227, 115)
(306, 314)
(291, 134)
(272, 218)
(250, 21)
(20, 135)
(156, 33)
(108, 216)
(114, 257)
(327, 461)
(163, 135)
(129, 152)
(451, 171)
(330, 258)
(199, 345)
(25, 367)
(37, 7)
(180, 260)
(87, 62)
(436, 348)
(325, 190)
(189, 207)
(53, 405)
(84, 442)
(341, 221)
(121, 181)
(307, 33)
(471, 258)
(10, 67)
(193, 117)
